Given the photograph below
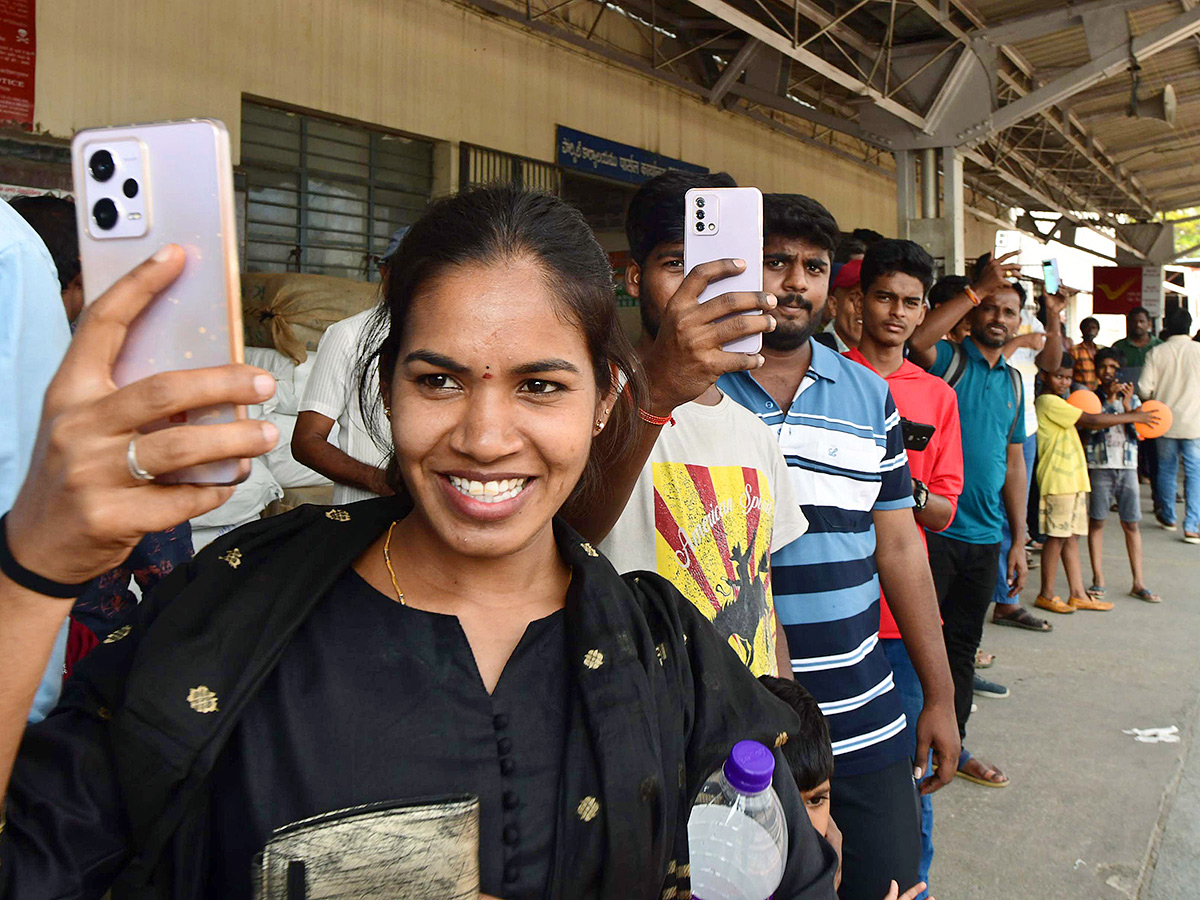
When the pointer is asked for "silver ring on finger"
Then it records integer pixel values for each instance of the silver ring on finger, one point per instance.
(131, 460)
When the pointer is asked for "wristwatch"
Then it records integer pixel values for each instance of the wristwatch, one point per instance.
(920, 493)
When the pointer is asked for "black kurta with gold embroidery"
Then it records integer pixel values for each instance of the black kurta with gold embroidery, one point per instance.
(233, 706)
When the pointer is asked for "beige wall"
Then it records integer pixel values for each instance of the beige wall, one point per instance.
(423, 66)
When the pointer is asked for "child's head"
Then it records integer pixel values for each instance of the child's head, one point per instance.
(1059, 382)
(810, 754)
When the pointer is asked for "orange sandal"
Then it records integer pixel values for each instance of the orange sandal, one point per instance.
(1053, 604)
(1089, 603)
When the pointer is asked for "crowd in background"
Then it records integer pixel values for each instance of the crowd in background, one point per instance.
(815, 500)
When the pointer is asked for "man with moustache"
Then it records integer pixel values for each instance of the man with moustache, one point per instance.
(964, 558)
(841, 436)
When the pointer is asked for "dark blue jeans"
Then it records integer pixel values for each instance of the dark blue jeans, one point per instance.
(908, 686)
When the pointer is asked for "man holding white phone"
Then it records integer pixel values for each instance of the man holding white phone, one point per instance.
(705, 498)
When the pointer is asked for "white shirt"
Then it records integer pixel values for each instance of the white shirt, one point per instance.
(712, 503)
(1172, 375)
(1024, 361)
(332, 391)
(34, 335)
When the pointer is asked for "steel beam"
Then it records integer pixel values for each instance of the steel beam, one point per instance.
(791, 107)
(1104, 66)
(733, 71)
(839, 30)
(772, 38)
(1023, 28)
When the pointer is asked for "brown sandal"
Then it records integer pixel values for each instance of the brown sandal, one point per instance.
(1022, 618)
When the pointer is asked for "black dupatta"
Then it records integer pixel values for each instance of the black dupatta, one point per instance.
(658, 701)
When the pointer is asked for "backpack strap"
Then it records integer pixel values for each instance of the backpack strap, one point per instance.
(958, 365)
(1015, 377)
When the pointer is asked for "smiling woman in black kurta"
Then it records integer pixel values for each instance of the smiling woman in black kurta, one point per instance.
(454, 639)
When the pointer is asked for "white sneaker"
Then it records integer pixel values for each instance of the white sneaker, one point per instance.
(1189, 538)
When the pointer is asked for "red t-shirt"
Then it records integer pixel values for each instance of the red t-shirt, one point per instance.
(921, 397)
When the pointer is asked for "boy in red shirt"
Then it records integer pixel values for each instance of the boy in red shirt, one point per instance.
(895, 278)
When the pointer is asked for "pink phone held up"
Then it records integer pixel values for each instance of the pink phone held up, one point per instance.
(137, 188)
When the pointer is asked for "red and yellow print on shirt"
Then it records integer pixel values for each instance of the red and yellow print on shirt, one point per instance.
(713, 529)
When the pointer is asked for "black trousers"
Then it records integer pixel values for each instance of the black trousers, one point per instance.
(964, 576)
(879, 815)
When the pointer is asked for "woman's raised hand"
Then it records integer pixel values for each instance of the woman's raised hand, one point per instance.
(81, 510)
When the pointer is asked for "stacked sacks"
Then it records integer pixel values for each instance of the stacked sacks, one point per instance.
(289, 312)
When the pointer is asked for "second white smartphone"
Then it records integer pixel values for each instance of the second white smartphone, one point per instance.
(726, 223)
(137, 188)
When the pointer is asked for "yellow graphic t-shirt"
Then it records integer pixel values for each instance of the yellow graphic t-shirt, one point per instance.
(711, 504)
(1061, 466)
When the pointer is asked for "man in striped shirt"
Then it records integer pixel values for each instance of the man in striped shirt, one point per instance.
(841, 436)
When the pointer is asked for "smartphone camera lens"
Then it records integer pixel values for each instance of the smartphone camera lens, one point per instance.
(130, 188)
(102, 165)
(699, 226)
(105, 214)
(700, 202)
(699, 214)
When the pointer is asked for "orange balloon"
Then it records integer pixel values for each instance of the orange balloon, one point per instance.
(1086, 400)
(1165, 417)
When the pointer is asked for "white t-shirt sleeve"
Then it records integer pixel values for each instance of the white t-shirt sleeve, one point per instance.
(790, 522)
(331, 386)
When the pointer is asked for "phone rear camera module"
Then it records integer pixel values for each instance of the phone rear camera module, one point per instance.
(699, 226)
(130, 188)
(105, 214)
(700, 202)
(101, 165)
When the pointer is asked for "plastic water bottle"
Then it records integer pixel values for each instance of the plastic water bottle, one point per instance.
(737, 834)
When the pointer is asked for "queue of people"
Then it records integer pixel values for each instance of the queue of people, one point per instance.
(581, 569)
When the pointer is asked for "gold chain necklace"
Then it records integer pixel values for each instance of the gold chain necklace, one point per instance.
(387, 559)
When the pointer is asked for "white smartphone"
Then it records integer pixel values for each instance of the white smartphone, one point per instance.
(726, 223)
(137, 188)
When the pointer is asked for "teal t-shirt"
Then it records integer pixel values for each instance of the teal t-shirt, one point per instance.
(987, 409)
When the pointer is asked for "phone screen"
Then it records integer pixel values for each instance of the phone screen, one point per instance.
(1050, 275)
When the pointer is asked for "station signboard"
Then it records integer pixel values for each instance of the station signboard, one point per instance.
(592, 155)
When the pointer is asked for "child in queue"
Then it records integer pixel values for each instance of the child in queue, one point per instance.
(810, 757)
(1062, 475)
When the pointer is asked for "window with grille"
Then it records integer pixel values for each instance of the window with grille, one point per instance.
(479, 166)
(323, 196)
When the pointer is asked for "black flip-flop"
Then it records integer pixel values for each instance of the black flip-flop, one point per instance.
(1023, 619)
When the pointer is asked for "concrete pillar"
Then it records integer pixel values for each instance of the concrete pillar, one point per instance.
(906, 191)
(445, 168)
(953, 212)
(929, 183)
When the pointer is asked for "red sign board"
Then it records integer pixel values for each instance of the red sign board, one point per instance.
(18, 53)
(1116, 289)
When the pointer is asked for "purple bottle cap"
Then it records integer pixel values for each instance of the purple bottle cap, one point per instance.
(750, 767)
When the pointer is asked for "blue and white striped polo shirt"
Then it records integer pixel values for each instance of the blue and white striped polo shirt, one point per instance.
(845, 452)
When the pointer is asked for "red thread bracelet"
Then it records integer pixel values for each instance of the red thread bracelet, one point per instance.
(653, 419)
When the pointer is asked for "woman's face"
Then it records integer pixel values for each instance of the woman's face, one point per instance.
(494, 406)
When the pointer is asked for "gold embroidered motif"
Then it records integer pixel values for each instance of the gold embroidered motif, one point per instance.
(671, 867)
(588, 808)
(202, 699)
(594, 659)
(781, 739)
(122, 632)
(337, 515)
(685, 894)
(661, 652)
(104, 713)
(588, 549)
(685, 871)
(233, 557)
(670, 893)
